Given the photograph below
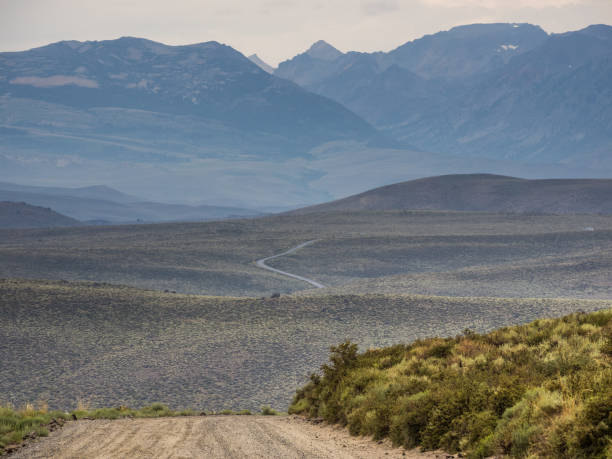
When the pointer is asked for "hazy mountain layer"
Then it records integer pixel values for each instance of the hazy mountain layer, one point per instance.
(126, 89)
(101, 204)
(498, 90)
(22, 215)
(203, 124)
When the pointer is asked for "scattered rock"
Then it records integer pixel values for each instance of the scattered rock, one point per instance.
(55, 424)
(11, 448)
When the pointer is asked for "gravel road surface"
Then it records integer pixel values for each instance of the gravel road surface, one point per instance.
(210, 437)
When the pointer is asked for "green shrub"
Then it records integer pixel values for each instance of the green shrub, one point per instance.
(606, 349)
(157, 407)
(592, 431)
(267, 411)
(536, 390)
(15, 425)
(440, 351)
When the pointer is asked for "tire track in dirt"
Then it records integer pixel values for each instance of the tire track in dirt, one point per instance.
(235, 437)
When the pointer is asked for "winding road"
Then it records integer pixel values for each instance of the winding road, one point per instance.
(262, 264)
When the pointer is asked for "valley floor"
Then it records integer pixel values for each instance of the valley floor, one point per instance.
(211, 437)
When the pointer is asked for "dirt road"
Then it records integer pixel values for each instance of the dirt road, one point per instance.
(262, 264)
(209, 437)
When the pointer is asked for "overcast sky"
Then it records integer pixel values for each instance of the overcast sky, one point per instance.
(277, 29)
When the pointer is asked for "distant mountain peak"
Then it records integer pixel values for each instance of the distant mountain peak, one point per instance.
(255, 59)
(324, 51)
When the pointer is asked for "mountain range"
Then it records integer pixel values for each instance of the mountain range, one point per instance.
(505, 91)
(125, 89)
(204, 123)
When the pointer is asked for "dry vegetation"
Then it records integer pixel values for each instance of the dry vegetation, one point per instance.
(573, 276)
(537, 390)
(551, 264)
(113, 345)
(216, 258)
(100, 337)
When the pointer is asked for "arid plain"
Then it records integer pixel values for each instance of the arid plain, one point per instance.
(106, 328)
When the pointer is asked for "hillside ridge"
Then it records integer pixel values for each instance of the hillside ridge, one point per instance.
(482, 193)
(23, 215)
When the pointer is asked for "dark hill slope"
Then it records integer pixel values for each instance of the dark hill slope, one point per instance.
(482, 192)
(22, 215)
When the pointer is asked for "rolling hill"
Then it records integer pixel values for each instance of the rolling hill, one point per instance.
(116, 346)
(22, 215)
(101, 204)
(424, 252)
(87, 192)
(482, 193)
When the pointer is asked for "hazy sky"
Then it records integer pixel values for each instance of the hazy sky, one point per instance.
(277, 29)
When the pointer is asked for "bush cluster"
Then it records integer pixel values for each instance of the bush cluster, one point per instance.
(537, 390)
(15, 425)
